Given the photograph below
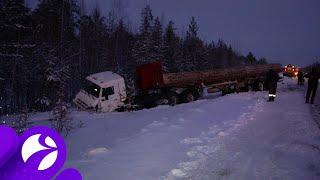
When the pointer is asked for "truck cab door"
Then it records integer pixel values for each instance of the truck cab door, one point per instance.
(108, 99)
(108, 94)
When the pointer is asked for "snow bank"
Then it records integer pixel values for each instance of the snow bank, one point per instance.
(239, 136)
(148, 144)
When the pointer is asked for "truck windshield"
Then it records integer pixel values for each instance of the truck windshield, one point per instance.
(92, 89)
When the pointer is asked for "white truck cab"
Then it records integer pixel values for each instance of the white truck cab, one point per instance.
(105, 91)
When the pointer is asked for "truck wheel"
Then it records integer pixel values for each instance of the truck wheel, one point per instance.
(250, 88)
(189, 97)
(120, 109)
(224, 92)
(162, 102)
(173, 99)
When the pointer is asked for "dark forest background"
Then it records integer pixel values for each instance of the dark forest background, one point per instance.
(46, 52)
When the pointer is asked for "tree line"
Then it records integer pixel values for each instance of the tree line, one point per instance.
(46, 52)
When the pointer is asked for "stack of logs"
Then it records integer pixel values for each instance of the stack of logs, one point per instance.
(183, 79)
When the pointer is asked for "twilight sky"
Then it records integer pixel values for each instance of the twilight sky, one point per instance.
(284, 31)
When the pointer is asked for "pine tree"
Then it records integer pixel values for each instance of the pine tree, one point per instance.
(146, 22)
(232, 57)
(111, 23)
(16, 20)
(222, 54)
(117, 11)
(262, 61)
(211, 58)
(99, 59)
(143, 51)
(15, 35)
(193, 29)
(55, 20)
(157, 40)
(251, 59)
(94, 42)
(194, 54)
(172, 50)
(121, 42)
(56, 45)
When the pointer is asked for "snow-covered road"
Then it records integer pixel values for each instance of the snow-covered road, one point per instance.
(240, 136)
(281, 141)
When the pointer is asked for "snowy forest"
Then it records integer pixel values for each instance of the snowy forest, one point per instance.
(47, 51)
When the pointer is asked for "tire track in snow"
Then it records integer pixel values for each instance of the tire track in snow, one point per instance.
(282, 144)
(209, 142)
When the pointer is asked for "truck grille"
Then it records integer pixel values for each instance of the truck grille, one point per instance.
(81, 105)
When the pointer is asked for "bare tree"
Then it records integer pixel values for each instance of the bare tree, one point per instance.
(22, 122)
(61, 121)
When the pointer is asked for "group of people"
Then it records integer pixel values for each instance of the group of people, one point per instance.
(313, 77)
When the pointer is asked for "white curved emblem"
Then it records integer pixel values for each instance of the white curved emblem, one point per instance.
(32, 146)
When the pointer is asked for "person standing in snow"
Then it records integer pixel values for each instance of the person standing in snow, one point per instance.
(272, 81)
(313, 80)
(300, 78)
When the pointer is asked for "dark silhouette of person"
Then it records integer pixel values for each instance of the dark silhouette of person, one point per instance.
(313, 80)
(300, 78)
(272, 79)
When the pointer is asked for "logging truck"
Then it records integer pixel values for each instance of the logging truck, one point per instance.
(106, 91)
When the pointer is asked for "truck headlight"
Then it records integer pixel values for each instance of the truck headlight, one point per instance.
(122, 99)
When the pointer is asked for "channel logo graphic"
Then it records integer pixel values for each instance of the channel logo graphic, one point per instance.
(32, 146)
(39, 153)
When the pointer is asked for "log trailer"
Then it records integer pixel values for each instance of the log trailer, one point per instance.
(106, 91)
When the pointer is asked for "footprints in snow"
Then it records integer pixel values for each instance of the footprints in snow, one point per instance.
(164, 124)
(191, 141)
(223, 172)
(166, 121)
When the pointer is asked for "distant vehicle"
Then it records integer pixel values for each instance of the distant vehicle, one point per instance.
(106, 91)
(290, 70)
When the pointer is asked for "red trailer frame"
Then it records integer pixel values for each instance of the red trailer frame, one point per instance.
(150, 76)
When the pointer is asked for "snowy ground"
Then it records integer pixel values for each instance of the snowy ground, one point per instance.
(316, 109)
(240, 136)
